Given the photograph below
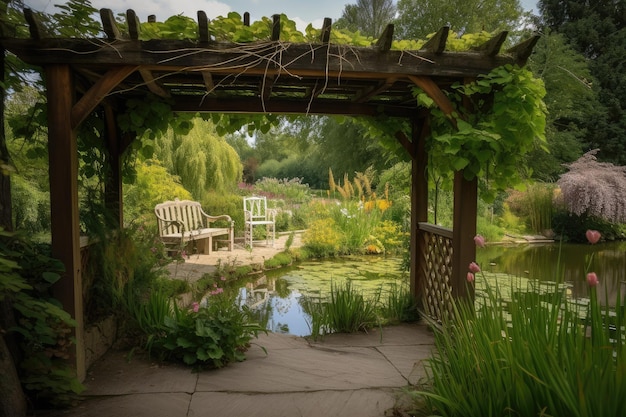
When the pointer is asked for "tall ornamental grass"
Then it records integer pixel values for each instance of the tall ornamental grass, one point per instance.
(535, 354)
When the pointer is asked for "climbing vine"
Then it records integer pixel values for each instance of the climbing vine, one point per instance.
(507, 120)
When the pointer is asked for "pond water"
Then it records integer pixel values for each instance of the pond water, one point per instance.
(278, 295)
(560, 262)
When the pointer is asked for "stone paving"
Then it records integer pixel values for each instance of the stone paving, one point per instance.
(360, 374)
(342, 375)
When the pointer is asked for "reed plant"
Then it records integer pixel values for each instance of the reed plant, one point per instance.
(529, 356)
(348, 311)
(397, 304)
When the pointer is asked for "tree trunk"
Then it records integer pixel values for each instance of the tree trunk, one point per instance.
(12, 400)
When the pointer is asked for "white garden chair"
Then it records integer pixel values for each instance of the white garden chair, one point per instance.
(256, 214)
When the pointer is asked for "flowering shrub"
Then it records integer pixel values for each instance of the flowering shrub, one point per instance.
(594, 188)
(322, 238)
(291, 189)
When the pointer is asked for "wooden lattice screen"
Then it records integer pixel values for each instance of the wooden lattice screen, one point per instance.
(435, 274)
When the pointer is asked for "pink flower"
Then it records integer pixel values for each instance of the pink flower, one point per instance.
(195, 306)
(593, 236)
(474, 267)
(215, 285)
(592, 279)
(470, 277)
(223, 278)
(479, 241)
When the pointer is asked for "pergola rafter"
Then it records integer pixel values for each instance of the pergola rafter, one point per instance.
(272, 76)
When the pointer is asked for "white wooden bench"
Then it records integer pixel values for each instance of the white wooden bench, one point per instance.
(184, 221)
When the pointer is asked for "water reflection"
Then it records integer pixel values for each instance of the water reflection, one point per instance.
(278, 298)
(561, 262)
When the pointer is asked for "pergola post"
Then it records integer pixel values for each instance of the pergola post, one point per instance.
(64, 214)
(463, 232)
(113, 178)
(419, 200)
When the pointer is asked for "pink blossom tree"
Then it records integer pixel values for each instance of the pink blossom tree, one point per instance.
(595, 188)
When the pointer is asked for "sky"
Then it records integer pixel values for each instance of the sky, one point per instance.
(302, 12)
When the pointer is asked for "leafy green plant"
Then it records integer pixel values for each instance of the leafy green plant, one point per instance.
(210, 336)
(322, 238)
(42, 328)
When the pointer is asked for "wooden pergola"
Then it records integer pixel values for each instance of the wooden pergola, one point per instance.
(203, 75)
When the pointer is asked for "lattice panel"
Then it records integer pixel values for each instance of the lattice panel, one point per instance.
(436, 264)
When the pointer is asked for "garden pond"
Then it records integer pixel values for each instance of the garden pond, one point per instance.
(278, 295)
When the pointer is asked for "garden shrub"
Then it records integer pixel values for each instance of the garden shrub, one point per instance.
(322, 238)
(210, 336)
(42, 329)
(571, 227)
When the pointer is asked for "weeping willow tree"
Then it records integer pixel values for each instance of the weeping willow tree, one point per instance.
(202, 159)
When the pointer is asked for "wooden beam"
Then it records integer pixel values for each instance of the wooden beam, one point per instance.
(64, 216)
(36, 29)
(97, 92)
(434, 92)
(384, 42)
(420, 129)
(152, 18)
(113, 177)
(381, 87)
(203, 27)
(463, 232)
(522, 50)
(437, 44)
(246, 19)
(326, 27)
(266, 87)
(108, 24)
(276, 27)
(154, 86)
(208, 82)
(406, 143)
(299, 59)
(285, 106)
(493, 45)
(134, 26)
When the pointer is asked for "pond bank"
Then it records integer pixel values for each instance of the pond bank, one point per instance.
(194, 267)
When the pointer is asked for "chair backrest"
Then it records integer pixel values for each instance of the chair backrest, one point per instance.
(179, 216)
(256, 206)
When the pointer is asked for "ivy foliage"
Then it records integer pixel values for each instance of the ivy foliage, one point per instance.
(507, 120)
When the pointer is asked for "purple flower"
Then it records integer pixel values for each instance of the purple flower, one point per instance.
(479, 241)
(592, 279)
(473, 266)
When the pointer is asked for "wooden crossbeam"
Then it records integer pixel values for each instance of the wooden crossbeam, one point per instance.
(432, 89)
(35, 27)
(493, 45)
(276, 27)
(384, 42)
(208, 82)
(367, 94)
(523, 50)
(108, 25)
(152, 84)
(437, 44)
(203, 27)
(326, 27)
(97, 92)
(134, 27)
